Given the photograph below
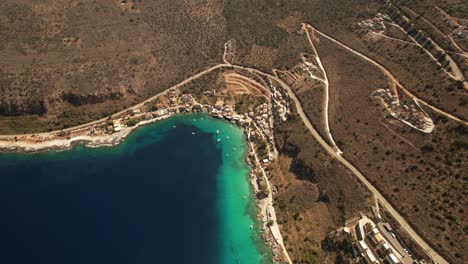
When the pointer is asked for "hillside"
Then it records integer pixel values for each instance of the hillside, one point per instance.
(69, 62)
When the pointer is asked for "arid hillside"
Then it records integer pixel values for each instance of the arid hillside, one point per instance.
(68, 62)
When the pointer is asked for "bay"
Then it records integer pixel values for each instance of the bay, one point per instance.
(173, 192)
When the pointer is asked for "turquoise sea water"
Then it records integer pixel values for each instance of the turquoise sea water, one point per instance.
(171, 193)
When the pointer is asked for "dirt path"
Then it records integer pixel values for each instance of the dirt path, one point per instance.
(452, 19)
(380, 34)
(225, 53)
(454, 43)
(460, 52)
(456, 73)
(434, 255)
(389, 75)
(399, 136)
(395, 214)
(327, 90)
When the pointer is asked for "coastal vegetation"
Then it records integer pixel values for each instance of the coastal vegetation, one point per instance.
(58, 71)
(129, 190)
(132, 122)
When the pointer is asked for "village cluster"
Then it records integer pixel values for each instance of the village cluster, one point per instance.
(409, 114)
(376, 23)
(376, 242)
(258, 124)
(175, 102)
(280, 103)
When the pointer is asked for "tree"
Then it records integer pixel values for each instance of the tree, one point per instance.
(132, 122)
(428, 148)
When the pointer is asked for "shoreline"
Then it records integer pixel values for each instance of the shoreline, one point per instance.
(264, 207)
(89, 141)
(113, 130)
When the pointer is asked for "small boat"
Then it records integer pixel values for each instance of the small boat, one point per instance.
(227, 137)
(193, 133)
(218, 140)
(243, 197)
(217, 131)
(251, 227)
(174, 126)
(235, 149)
(227, 155)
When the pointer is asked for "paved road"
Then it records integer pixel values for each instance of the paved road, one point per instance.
(395, 214)
(434, 255)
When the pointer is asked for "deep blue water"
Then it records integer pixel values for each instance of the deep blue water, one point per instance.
(151, 199)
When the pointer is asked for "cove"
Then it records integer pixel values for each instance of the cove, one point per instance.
(170, 193)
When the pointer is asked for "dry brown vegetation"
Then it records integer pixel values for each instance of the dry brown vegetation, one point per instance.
(121, 58)
(311, 93)
(315, 194)
(91, 58)
(419, 74)
(422, 175)
(68, 62)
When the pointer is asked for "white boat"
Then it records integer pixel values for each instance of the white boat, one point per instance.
(217, 131)
(218, 140)
(193, 133)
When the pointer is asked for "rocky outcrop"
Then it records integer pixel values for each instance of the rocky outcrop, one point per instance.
(96, 98)
(302, 171)
(22, 107)
(291, 150)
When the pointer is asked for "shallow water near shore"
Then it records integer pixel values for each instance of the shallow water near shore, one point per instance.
(170, 193)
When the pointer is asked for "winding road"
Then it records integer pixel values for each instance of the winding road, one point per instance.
(87, 125)
(333, 152)
(327, 90)
(383, 201)
(389, 75)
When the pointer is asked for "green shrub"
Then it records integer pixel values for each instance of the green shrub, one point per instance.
(132, 122)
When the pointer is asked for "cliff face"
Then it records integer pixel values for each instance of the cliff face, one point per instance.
(92, 59)
(22, 107)
(41, 106)
(95, 98)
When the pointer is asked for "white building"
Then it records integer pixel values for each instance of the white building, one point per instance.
(117, 125)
